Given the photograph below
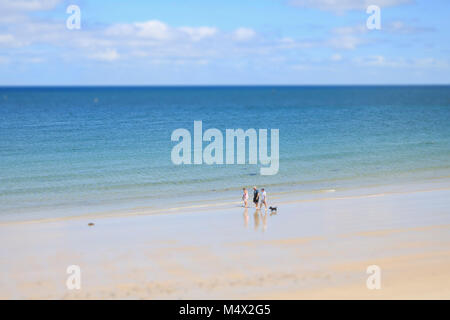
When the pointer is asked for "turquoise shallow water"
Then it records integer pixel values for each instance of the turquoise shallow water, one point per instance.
(70, 150)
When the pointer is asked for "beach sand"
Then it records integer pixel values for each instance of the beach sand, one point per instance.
(311, 249)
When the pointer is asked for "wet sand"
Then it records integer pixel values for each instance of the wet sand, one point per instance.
(315, 249)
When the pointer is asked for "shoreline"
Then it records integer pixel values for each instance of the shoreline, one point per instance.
(23, 209)
(281, 198)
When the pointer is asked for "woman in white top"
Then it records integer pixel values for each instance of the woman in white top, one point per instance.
(263, 199)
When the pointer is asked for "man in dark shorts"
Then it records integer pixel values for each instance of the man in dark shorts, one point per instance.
(255, 196)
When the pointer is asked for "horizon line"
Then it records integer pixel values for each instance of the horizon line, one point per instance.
(216, 85)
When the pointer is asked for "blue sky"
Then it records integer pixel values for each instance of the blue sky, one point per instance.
(192, 42)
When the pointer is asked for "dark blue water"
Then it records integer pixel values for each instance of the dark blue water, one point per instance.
(67, 149)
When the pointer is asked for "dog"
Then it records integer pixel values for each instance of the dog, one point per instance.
(273, 209)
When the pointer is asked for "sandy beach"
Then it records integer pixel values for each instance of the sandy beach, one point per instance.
(315, 248)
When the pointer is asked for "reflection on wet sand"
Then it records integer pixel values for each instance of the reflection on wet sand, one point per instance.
(264, 220)
(258, 217)
(246, 217)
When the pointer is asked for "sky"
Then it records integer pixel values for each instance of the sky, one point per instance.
(228, 42)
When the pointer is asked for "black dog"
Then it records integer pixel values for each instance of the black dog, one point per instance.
(273, 209)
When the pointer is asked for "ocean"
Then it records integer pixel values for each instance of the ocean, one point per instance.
(75, 150)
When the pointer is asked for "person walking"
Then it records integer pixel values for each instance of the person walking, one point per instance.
(245, 197)
(255, 197)
(263, 199)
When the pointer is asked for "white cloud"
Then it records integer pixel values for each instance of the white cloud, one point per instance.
(300, 67)
(159, 31)
(153, 29)
(27, 5)
(381, 61)
(431, 62)
(107, 55)
(243, 34)
(289, 43)
(6, 39)
(347, 37)
(118, 30)
(35, 60)
(350, 30)
(345, 42)
(401, 27)
(156, 42)
(341, 6)
(199, 33)
(376, 61)
(336, 57)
